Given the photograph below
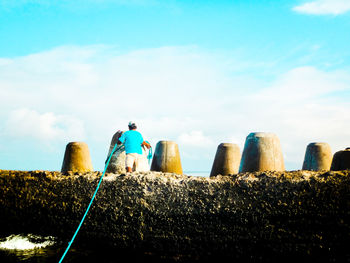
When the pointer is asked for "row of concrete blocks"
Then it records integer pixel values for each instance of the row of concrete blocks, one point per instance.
(166, 158)
(262, 152)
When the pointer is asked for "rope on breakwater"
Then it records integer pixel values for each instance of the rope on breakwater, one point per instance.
(149, 156)
(87, 210)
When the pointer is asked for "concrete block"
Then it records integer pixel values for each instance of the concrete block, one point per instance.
(318, 156)
(77, 158)
(262, 152)
(166, 158)
(341, 160)
(227, 159)
(117, 162)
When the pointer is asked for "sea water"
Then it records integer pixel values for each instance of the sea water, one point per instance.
(47, 249)
(197, 173)
(26, 248)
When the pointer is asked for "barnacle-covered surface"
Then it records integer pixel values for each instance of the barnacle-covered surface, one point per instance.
(263, 216)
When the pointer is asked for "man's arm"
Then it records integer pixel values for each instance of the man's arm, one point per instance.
(146, 144)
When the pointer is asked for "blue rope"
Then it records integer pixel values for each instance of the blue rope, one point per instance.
(87, 210)
(149, 156)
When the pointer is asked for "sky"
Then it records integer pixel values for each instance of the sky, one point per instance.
(199, 73)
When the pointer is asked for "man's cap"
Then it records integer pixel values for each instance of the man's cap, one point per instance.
(131, 123)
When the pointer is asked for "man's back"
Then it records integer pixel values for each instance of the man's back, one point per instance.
(132, 141)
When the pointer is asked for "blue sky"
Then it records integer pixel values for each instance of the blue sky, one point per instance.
(196, 72)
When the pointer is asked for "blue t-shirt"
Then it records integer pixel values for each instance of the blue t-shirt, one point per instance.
(132, 141)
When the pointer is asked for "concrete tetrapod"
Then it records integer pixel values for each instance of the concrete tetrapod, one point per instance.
(117, 162)
(227, 159)
(318, 156)
(77, 158)
(166, 158)
(341, 160)
(262, 152)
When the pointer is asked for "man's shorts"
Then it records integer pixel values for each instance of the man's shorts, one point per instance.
(131, 159)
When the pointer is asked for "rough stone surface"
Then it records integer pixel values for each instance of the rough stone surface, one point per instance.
(227, 159)
(262, 152)
(166, 158)
(117, 162)
(341, 160)
(256, 217)
(77, 158)
(318, 156)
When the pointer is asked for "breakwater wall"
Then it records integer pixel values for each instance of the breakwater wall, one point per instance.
(262, 216)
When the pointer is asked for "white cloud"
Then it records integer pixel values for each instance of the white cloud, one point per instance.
(172, 93)
(324, 7)
(305, 83)
(29, 124)
(195, 139)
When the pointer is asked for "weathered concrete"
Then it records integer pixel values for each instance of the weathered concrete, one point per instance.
(117, 162)
(77, 158)
(262, 152)
(256, 217)
(166, 158)
(318, 156)
(227, 159)
(341, 160)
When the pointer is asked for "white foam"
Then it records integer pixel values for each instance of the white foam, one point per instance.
(20, 242)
